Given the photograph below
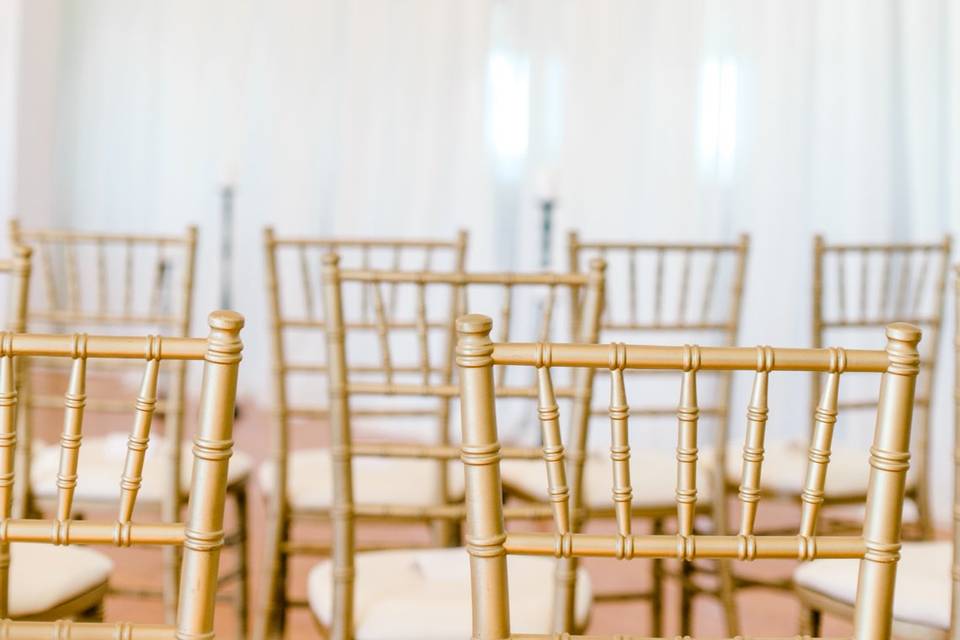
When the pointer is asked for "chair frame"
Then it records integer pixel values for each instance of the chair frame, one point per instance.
(345, 448)
(171, 408)
(727, 333)
(88, 605)
(814, 604)
(201, 536)
(280, 548)
(920, 493)
(488, 543)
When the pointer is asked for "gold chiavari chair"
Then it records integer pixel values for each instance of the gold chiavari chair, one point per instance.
(928, 577)
(910, 286)
(856, 288)
(417, 592)
(200, 537)
(41, 583)
(94, 281)
(877, 546)
(294, 293)
(692, 292)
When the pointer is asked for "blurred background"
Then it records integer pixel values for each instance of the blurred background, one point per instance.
(645, 120)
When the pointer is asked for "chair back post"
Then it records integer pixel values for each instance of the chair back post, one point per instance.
(889, 461)
(573, 266)
(212, 448)
(731, 336)
(340, 439)
(955, 582)
(444, 531)
(19, 298)
(277, 352)
(564, 610)
(925, 390)
(8, 442)
(480, 453)
(173, 427)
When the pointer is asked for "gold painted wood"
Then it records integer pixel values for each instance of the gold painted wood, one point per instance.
(201, 536)
(549, 413)
(290, 321)
(877, 548)
(687, 420)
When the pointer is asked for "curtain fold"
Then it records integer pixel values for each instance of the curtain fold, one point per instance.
(658, 119)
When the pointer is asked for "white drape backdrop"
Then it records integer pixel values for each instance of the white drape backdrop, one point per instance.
(653, 119)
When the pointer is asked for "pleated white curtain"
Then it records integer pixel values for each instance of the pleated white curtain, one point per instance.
(655, 119)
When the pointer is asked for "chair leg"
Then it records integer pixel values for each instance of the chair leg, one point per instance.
(271, 615)
(687, 593)
(656, 590)
(728, 596)
(810, 621)
(242, 604)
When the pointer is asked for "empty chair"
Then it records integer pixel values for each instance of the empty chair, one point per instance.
(688, 291)
(120, 283)
(407, 590)
(296, 315)
(200, 537)
(857, 289)
(43, 583)
(927, 577)
(490, 544)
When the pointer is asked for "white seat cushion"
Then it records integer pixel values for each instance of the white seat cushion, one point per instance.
(101, 465)
(653, 474)
(785, 464)
(426, 594)
(395, 481)
(922, 594)
(43, 576)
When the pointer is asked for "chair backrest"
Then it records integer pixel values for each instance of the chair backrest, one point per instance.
(201, 536)
(862, 287)
(488, 542)
(669, 287)
(295, 307)
(685, 290)
(64, 299)
(416, 361)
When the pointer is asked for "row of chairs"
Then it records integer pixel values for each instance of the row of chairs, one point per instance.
(397, 307)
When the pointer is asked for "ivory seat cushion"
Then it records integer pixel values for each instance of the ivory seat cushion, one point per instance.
(426, 594)
(396, 481)
(653, 474)
(101, 465)
(785, 464)
(922, 594)
(43, 576)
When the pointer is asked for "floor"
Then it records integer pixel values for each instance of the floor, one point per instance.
(762, 612)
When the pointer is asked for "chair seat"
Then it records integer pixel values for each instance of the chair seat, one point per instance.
(426, 594)
(44, 577)
(101, 465)
(785, 464)
(653, 473)
(922, 594)
(396, 481)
